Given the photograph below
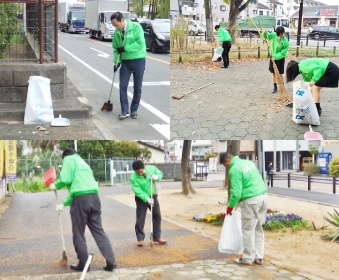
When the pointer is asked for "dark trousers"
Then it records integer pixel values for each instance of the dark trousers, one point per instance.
(86, 210)
(137, 67)
(141, 216)
(225, 54)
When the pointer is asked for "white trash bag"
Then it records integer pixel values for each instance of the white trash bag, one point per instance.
(39, 107)
(231, 235)
(217, 53)
(304, 109)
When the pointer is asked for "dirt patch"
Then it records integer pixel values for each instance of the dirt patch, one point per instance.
(4, 204)
(302, 251)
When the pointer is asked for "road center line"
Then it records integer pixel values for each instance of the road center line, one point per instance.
(164, 83)
(142, 103)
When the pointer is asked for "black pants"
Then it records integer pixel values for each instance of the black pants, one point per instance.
(86, 210)
(225, 57)
(141, 217)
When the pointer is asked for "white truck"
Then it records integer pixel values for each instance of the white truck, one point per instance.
(71, 17)
(98, 17)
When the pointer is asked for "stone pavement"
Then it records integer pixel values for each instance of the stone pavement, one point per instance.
(200, 270)
(239, 104)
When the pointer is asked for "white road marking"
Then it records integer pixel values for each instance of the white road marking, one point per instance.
(102, 54)
(149, 107)
(165, 83)
(164, 129)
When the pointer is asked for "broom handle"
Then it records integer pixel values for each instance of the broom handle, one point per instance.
(83, 274)
(262, 37)
(110, 94)
(151, 211)
(61, 229)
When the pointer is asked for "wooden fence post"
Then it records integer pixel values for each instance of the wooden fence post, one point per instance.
(317, 50)
(301, 44)
(334, 50)
(180, 56)
(306, 40)
(212, 52)
(297, 54)
(288, 180)
(325, 41)
(272, 180)
(239, 53)
(258, 52)
(309, 182)
(334, 184)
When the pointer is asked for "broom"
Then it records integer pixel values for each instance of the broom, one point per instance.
(283, 94)
(108, 106)
(151, 242)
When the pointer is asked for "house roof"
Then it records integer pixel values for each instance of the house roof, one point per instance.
(318, 11)
(150, 146)
(263, 7)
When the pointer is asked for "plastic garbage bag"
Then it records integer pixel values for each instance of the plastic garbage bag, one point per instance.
(39, 107)
(231, 235)
(217, 53)
(304, 109)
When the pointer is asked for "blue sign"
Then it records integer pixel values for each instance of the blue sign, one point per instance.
(323, 160)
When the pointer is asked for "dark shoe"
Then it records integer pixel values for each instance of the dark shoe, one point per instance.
(319, 112)
(160, 241)
(258, 261)
(275, 90)
(289, 104)
(123, 116)
(140, 243)
(110, 267)
(78, 267)
(134, 115)
(224, 67)
(240, 261)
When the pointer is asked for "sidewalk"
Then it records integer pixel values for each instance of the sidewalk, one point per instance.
(239, 104)
(202, 270)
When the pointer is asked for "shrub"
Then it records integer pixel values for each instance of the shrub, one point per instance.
(333, 167)
(275, 221)
(333, 220)
(311, 169)
(36, 185)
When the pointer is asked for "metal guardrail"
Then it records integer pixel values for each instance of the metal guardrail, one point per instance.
(330, 180)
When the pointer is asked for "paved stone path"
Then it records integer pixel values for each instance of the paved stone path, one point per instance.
(200, 270)
(239, 104)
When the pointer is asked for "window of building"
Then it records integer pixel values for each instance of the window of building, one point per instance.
(254, 12)
(196, 5)
(253, 2)
(268, 13)
(223, 8)
(261, 13)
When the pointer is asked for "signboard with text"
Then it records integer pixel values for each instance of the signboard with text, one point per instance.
(10, 159)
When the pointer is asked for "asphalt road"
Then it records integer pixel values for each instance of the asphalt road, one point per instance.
(89, 65)
(30, 241)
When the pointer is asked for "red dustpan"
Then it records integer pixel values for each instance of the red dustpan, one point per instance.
(50, 176)
(311, 135)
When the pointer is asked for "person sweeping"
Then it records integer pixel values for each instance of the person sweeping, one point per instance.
(85, 206)
(318, 72)
(141, 181)
(226, 43)
(279, 47)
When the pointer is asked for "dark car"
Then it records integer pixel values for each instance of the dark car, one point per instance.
(157, 35)
(319, 32)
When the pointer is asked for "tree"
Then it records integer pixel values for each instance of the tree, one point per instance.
(313, 151)
(209, 21)
(40, 145)
(233, 147)
(163, 9)
(138, 6)
(185, 168)
(236, 7)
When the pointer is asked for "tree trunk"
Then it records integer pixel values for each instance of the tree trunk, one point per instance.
(209, 22)
(236, 7)
(185, 180)
(233, 147)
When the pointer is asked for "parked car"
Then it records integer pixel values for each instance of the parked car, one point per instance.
(319, 32)
(195, 28)
(157, 35)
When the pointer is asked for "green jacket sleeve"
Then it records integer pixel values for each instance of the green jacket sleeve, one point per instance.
(139, 40)
(284, 50)
(311, 70)
(66, 177)
(115, 45)
(264, 34)
(158, 173)
(271, 35)
(236, 188)
(138, 191)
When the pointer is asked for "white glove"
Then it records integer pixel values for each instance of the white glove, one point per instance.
(59, 207)
(150, 201)
(154, 177)
(52, 186)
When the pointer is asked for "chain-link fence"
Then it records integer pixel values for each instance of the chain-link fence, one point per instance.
(28, 31)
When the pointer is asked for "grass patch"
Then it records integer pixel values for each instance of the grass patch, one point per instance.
(35, 185)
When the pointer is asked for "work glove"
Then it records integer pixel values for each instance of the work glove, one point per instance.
(229, 210)
(150, 201)
(59, 207)
(116, 67)
(52, 186)
(154, 177)
(120, 50)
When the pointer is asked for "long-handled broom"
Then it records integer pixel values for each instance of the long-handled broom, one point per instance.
(108, 106)
(63, 262)
(151, 243)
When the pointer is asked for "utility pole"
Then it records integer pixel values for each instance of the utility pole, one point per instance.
(300, 22)
(274, 8)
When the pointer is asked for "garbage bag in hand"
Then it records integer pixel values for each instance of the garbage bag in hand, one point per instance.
(39, 107)
(217, 53)
(231, 236)
(304, 109)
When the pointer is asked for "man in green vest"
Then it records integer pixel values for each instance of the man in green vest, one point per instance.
(247, 186)
(129, 50)
(226, 43)
(143, 184)
(85, 204)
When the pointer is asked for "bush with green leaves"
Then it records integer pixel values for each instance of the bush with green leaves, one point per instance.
(8, 24)
(311, 169)
(333, 167)
(333, 220)
(35, 185)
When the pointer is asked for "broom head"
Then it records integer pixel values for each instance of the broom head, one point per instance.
(63, 262)
(108, 106)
